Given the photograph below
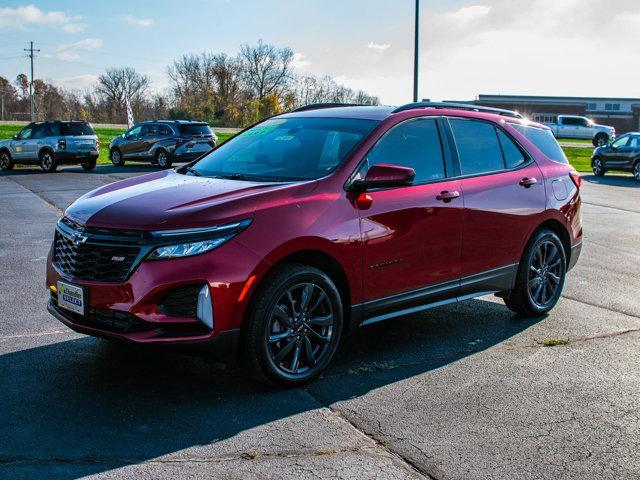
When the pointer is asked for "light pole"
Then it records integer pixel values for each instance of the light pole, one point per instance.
(415, 52)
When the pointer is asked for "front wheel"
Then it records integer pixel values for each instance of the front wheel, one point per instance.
(600, 139)
(6, 163)
(636, 171)
(116, 157)
(293, 327)
(540, 277)
(48, 162)
(597, 166)
(162, 159)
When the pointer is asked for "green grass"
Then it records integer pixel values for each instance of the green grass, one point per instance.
(554, 342)
(579, 157)
(105, 135)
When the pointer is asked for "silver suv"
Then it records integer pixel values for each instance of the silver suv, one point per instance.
(50, 144)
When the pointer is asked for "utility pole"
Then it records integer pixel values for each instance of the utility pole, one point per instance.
(30, 52)
(415, 52)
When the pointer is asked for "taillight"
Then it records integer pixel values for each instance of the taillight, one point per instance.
(577, 179)
(62, 144)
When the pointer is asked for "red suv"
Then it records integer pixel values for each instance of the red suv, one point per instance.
(314, 222)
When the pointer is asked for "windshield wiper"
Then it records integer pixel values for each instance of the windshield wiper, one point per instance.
(193, 171)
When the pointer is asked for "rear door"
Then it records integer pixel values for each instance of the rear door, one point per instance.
(503, 195)
(568, 127)
(412, 237)
(150, 135)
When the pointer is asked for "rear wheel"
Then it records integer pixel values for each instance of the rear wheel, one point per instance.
(540, 277)
(116, 157)
(597, 166)
(48, 162)
(6, 162)
(89, 165)
(162, 159)
(636, 170)
(600, 139)
(293, 327)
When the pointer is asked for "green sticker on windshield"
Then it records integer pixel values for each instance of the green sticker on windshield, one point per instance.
(263, 128)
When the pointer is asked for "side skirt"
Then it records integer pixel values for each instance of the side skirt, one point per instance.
(407, 303)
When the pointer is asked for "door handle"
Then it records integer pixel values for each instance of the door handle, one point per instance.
(446, 196)
(527, 182)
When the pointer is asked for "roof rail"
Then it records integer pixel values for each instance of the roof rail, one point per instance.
(458, 106)
(319, 106)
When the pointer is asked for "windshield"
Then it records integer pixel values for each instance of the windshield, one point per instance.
(197, 129)
(282, 149)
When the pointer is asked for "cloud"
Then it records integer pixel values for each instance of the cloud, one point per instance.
(20, 18)
(138, 22)
(300, 61)
(378, 46)
(73, 51)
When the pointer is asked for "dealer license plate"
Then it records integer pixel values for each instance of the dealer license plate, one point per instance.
(71, 297)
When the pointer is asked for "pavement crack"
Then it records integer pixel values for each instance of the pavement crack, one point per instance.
(418, 470)
(50, 204)
(610, 207)
(592, 304)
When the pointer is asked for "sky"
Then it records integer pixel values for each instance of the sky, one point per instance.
(467, 47)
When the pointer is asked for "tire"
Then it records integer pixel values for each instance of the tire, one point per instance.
(539, 282)
(6, 162)
(636, 170)
(162, 159)
(600, 139)
(88, 166)
(597, 167)
(48, 161)
(115, 155)
(283, 344)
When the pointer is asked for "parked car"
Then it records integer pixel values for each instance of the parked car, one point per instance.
(314, 222)
(50, 144)
(163, 142)
(621, 154)
(569, 126)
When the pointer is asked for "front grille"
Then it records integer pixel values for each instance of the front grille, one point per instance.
(182, 302)
(99, 254)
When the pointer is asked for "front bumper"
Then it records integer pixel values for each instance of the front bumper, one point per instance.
(134, 310)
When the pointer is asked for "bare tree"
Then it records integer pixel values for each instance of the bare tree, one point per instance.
(267, 69)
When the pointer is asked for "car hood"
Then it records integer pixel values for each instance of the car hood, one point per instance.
(603, 127)
(168, 199)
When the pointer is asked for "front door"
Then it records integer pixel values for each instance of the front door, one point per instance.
(503, 197)
(411, 235)
(132, 144)
(19, 146)
(616, 155)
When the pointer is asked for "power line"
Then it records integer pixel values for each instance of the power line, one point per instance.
(415, 52)
(30, 51)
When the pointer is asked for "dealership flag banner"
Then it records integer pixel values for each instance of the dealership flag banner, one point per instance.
(130, 121)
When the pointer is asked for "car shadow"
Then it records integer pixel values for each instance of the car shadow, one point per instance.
(612, 179)
(85, 406)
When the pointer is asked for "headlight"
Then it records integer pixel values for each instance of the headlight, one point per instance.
(195, 240)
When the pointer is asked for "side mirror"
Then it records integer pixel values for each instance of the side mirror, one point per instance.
(385, 176)
(15, 137)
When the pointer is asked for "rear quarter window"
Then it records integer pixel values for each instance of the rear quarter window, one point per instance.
(544, 140)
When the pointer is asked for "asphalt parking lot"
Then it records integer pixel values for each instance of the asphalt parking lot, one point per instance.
(460, 392)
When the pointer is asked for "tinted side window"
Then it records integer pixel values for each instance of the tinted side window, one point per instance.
(55, 129)
(39, 131)
(414, 144)
(621, 142)
(544, 140)
(512, 155)
(149, 131)
(478, 147)
(570, 121)
(635, 142)
(165, 130)
(134, 132)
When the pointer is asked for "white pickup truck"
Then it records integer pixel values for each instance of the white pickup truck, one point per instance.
(569, 126)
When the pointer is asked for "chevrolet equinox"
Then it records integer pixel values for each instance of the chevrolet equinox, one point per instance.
(311, 223)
